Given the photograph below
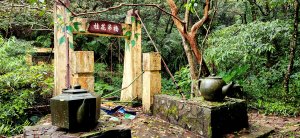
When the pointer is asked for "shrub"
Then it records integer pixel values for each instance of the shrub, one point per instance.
(254, 55)
(20, 85)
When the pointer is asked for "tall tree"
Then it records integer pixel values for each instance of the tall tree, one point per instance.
(293, 46)
(189, 39)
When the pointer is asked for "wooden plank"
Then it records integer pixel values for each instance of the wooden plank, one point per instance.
(43, 50)
(83, 69)
(105, 27)
(83, 62)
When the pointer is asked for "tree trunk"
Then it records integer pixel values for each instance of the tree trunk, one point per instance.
(194, 45)
(190, 45)
(293, 46)
(253, 9)
(193, 68)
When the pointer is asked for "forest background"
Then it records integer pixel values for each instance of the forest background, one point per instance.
(251, 42)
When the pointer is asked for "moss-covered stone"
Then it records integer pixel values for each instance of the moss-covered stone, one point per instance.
(209, 119)
(172, 111)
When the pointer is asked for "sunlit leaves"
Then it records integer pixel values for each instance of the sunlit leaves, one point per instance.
(191, 5)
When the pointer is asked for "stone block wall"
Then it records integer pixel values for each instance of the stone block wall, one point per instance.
(208, 119)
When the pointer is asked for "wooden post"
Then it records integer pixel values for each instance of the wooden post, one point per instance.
(151, 79)
(83, 69)
(63, 42)
(132, 59)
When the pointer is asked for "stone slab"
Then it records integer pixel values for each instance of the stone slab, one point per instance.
(208, 119)
(50, 131)
(258, 132)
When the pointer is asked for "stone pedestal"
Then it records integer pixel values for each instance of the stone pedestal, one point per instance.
(209, 119)
(151, 79)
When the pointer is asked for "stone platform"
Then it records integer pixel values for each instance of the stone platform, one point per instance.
(208, 119)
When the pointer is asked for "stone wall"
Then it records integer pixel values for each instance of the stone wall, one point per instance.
(209, 119)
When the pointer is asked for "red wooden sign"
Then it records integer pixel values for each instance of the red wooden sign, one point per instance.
(105, 27)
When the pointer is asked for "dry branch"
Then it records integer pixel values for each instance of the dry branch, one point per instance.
(135, 5)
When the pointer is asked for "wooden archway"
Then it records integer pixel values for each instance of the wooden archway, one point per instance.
(65, 26)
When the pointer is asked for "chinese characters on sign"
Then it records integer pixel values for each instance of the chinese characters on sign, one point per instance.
(105, 27)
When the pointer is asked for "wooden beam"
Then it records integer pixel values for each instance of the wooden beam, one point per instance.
(132, 60)
(83, 69)
(127, 94)
(105, 35)
(62, 42)
(138, 59)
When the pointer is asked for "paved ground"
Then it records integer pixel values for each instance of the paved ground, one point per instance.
(284, 126)
(149, 126)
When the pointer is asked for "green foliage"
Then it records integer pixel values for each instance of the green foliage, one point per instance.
(184, 79)
(10, 51)
(254, 55)
(248, 43)
(20, 85)
(184, 82)
(43, 41)
(106, 81)
(241, 43)
(191, 5)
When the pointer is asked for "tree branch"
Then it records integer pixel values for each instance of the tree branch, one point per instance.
(180, 26)
(186, 16)
(259, 7)
(123, 4)
(209, 26)
(198, 24)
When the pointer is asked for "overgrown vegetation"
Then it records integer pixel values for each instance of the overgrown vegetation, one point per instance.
(254, 55)
(107, 81)
(22, 86)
